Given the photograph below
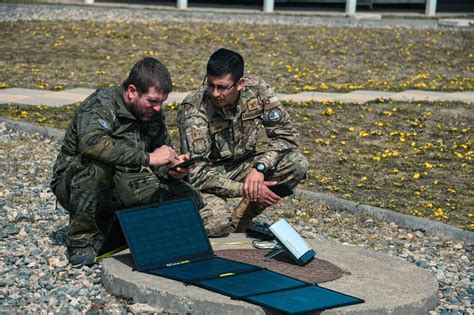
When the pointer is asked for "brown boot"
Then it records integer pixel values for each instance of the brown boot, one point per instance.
(238, 213)
(244, 213)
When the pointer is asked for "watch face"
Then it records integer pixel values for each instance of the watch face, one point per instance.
(261, 167)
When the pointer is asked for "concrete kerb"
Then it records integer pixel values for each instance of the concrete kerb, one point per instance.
(402, 220)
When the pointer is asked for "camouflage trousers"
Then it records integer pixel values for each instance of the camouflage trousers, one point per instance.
(217, 215)
(91, 191)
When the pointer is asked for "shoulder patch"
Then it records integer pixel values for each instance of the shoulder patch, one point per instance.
(275, 115)
(104, 124)
(253, 104)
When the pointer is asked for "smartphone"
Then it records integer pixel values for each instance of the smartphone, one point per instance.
(188, 163)
(282, 189)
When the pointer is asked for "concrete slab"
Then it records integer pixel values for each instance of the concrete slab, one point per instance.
(418, 96)
(361, 96)
(81, 91)
(456, 22)
(24, 92)
(310, 96)
(465, 97)
(45, 100)
(176, 97)
(388, 285)
(11, 98)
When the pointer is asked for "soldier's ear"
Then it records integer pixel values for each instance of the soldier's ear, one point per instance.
(132, 92)
(240, 84)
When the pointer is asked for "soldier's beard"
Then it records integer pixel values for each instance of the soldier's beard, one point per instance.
(141, 114)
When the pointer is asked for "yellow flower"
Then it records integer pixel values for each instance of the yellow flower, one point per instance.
(363, 133)
(416, 176)
(428, 165)
(451, 190)
(24, 114)
(328, 112)
(351, 128)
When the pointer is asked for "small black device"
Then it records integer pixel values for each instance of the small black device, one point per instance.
(260, 230)
(282, 190)
(188, 163)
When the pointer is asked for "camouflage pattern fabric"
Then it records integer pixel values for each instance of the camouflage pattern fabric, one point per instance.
(228, 140)
(103, 165)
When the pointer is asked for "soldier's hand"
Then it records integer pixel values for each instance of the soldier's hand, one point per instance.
(179, 173)
(253, 184)
(268, 198)
(164, 155)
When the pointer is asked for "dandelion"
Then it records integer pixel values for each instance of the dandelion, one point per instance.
(363, 133)
(328, 112)
(416, 176)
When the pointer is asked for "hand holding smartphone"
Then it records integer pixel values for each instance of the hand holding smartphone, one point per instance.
(188, 163)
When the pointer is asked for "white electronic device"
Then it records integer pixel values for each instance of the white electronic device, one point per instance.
(292, 242)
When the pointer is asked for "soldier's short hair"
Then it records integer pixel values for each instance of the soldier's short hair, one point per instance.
(149, 72)
(225, 61)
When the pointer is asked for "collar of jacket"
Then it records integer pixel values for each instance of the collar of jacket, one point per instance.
(122, 110)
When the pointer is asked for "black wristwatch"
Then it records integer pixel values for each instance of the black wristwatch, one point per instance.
(261, 167)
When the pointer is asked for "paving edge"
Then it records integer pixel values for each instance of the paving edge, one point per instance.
(402, 220)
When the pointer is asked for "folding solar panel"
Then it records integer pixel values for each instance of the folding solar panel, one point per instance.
(250, 283)
(302, 300)
(169, 240)
(202, 269)
(165, 234)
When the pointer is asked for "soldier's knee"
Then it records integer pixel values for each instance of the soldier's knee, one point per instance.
(301, 166)
(219, 228)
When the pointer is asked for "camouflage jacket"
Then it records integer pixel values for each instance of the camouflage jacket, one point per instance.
(226, 138)
(104, 129)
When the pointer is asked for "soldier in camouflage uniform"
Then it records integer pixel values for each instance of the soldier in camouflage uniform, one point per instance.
(221, 121)
(116, 153)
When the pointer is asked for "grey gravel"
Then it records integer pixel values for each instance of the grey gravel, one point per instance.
(13, 12)
(35, 275)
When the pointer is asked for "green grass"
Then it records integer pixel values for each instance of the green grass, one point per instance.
(415, 159)
(59, 55)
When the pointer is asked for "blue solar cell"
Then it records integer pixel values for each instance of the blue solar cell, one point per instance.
(202, 269)
(164, 233)
(311, 298)
(251, 283)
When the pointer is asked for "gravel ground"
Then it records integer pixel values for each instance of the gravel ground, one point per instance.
(36, 276)
(13, 12)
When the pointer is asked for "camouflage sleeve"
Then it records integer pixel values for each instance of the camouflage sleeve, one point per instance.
(281, 133)
(195, 139)
(94, 130)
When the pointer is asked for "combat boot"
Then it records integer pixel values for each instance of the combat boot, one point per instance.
(81, 256)
(243, 214)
